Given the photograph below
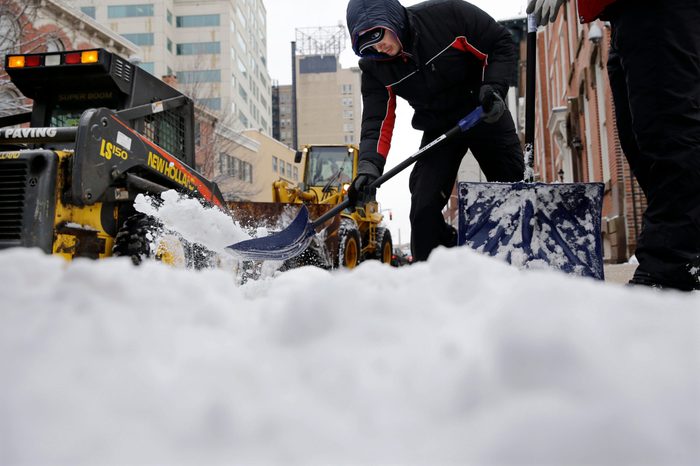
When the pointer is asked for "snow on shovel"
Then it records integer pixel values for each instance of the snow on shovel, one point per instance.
(295, 238)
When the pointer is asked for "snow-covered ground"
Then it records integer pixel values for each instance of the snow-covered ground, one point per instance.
(460, 360)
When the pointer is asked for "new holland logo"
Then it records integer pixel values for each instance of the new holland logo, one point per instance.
(17, 133)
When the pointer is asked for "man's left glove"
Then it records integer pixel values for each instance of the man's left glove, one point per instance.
(492, 103)
(359, 192)
(544, 10)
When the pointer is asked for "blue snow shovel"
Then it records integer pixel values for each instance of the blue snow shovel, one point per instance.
(295, 238)
(534, 225)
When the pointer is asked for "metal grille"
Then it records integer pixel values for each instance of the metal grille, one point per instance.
(13, 181)
(122, 69)
(167, 129)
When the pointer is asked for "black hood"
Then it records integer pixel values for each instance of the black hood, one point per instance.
(363, 15)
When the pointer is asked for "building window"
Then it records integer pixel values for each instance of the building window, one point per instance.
(148, 66)
(347, 102)
(296, 173)
(141, 38)
(54, 45)
(241, 17)
(199, 76)
(235, 168)
(198, 48)
(289, 169)
(170, 46)
(274, 164)
(242, 93)
(347, 88)
(241, 43)
(194, 21)
(169, 15)
(88, 10)
(243, 119)
(247, 172)
(242, 68)
(212, 103)
(129, 11)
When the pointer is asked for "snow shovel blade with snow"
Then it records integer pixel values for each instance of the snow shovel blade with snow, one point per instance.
(534, 225)
(295, 238)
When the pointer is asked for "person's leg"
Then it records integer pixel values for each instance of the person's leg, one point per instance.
(431, 183)
(659, 48)
(639, 164)
(497, 149)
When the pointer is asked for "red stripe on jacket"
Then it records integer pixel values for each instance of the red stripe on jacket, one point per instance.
(387, 129)
(462, 44)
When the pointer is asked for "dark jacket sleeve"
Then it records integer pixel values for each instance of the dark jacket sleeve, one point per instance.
(491, 38)
(378, 117)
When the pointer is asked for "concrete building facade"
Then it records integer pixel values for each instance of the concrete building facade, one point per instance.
(216, 48)
(329, 102)
(323, 105)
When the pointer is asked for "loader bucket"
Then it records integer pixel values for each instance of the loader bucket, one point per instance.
(535, 225)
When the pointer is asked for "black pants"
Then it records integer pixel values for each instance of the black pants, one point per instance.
(654, 69)
(497, 149)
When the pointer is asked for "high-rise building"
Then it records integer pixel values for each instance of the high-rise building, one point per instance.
(327, 100)
(282, 114)
(217, 49)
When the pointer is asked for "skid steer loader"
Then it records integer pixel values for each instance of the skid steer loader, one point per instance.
(348, 238)
(101, 131)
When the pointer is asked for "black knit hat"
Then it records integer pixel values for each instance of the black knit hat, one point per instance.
(369, 38)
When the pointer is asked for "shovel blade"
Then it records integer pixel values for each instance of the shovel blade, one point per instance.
(280, 246)
(535, 225)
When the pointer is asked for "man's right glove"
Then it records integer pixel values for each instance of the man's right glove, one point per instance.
(544, 10)
(359, 192)
(492, 103)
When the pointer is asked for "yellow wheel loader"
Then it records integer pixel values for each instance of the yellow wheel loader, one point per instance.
(350, 237)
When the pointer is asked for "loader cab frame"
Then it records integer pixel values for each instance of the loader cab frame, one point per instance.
(63, 85)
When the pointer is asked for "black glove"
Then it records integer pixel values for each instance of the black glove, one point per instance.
(492, 103)
(359, 191)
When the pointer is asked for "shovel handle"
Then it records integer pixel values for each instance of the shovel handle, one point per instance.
(463, 125)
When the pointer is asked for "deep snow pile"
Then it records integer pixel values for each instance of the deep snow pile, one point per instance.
(461, 360)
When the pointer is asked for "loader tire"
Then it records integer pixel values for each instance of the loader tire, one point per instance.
(385, 247)
(350, 246)
(142, 237)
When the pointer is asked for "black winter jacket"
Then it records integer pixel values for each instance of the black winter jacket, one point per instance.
(450, 48)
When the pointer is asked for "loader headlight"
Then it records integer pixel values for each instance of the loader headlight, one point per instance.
(346, 186)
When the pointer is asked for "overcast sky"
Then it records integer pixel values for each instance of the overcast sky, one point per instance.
(284, 16)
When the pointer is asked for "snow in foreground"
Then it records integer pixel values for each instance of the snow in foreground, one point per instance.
(461, 360)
